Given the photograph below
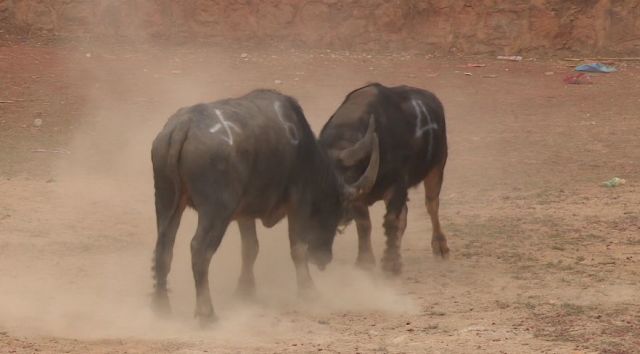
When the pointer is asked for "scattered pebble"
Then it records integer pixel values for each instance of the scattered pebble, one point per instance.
(277, 82)
(244, 55)
(549, 73)
(37, 122)
(88, 55)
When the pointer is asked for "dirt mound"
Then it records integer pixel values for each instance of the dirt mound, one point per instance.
(471, 27)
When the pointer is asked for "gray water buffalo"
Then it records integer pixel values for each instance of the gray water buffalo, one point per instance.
(410, 125)
(247, 158)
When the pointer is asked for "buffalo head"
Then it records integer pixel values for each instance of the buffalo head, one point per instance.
(334, 209)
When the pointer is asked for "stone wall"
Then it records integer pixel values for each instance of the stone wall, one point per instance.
(463, 26)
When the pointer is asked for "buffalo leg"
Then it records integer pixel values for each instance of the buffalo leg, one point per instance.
(395, 222)
(366, 259)
(250, 247)
(432, 187)
(203, 245)
(168, 220)
(299, 255)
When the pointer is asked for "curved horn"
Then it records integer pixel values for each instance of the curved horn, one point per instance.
(361, 149)
(368, 179)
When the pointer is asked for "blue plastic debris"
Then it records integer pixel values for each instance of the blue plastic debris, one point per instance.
(596, 68)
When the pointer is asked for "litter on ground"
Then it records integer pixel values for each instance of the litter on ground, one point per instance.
(614, 182)
(596, 68)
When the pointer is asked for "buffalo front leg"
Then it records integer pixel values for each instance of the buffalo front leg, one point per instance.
(395, 223)
(299, 255)
(432, 187)
(366, 259)
(247, 283)
(203, 245)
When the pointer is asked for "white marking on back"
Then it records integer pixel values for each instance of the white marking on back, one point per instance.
(420, 109)
(226, 124)
(291, 130)
(420, 128)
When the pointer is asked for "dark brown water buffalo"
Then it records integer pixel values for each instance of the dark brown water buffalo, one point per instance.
(411, 129)
(252, 157)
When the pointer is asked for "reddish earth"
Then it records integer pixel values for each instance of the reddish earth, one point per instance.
(602, 27)
(543, 259)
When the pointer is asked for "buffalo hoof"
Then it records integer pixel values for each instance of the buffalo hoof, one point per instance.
(366, 261)
(392, 265)
(246, 291)
(439, 246)
(308, 293)
(204, 312)
(207, 321)
(161, 305)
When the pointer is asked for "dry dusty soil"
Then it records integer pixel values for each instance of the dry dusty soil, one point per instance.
(544, 259)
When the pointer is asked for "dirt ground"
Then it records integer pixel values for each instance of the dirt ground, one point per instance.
(544, 259)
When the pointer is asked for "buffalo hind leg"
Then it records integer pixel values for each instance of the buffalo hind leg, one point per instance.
(162, 258)
(211, 229)
(247, 283)
(366, 259)
(395, 223)
(432, 187)
(168, 220)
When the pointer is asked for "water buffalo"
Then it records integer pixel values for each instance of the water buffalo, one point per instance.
(241, 159)
(411, 129)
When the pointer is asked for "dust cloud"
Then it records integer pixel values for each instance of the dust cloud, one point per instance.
(84, 272)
